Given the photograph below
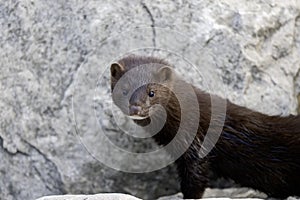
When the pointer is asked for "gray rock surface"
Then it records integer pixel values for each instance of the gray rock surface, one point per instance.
(107, 196)
(54, 81)
(240, 193)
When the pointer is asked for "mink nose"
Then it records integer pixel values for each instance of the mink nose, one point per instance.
(134, 110)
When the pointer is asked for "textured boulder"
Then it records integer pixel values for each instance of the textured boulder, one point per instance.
(91, 197)
(55, 99)
(241, 193)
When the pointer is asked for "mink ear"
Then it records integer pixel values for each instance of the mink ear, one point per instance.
(116, 70)
(165, 74)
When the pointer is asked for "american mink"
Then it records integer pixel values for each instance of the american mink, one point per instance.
(254, 149)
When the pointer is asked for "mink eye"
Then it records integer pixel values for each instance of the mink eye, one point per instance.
(151, 94)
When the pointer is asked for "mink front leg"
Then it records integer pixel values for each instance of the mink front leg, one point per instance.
(193, 174)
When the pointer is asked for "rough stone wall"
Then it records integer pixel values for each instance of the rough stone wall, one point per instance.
(51, 51)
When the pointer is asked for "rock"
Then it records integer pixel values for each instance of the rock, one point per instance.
(177, 196)
(293, 198)
(233, 193)
(110, 196)
(55, 104)
(240, 193)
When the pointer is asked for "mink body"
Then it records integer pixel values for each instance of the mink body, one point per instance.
(255, 150)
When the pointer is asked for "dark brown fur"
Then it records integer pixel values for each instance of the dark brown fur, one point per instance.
(254, 149)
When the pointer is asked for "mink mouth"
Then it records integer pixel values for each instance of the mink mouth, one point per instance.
(138, 117)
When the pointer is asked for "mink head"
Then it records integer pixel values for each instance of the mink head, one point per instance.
(139, 84)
